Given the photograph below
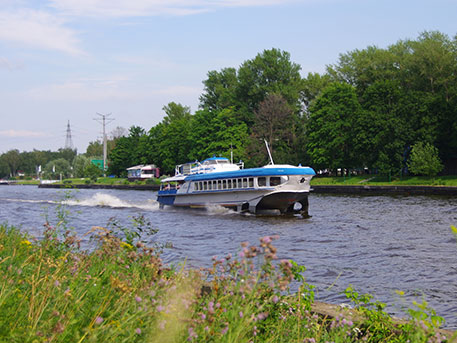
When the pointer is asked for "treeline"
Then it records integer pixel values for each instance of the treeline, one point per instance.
(14, 162)
(52, 164)
(366, 111)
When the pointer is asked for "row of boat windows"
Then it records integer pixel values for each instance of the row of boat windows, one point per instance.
(247, 182)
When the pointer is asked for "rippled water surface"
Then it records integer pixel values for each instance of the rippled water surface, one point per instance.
(377, 244)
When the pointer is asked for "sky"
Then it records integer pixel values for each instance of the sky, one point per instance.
(67, 60)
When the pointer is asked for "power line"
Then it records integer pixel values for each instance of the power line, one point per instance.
(104, 121)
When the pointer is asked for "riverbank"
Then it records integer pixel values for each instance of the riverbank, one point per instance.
(319, 189)
(384, 190)
(122, 291)
(140, 187)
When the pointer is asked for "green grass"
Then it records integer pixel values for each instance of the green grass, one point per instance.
(51, 291)
(448, 180)
(100, 181)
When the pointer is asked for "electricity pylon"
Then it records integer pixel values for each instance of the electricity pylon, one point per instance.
(68, 140)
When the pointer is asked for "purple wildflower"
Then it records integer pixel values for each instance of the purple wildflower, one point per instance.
(265, 240)
(192, 334)
(98, 320)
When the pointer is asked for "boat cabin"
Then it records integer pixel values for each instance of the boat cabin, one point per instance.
(142, 172)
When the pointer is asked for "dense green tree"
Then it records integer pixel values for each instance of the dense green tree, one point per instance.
(92, 171)
(4, 168)
(381, 132)
(218, 133)
(55, 168)
(168, 143)
(13, 159)
(362, 68)
(424, 160)
(220, 90)
(331, 128)
(425, 73)
(80, 163)
(244, 89)
(95, 148)
(127, 152)
(313, 85)
(68, 154)
(269, 72)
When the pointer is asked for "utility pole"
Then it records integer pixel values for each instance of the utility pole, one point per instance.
(104, 121)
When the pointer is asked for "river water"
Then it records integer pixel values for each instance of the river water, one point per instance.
(377, 244)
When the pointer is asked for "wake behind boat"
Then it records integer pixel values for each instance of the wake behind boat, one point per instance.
(217, 181)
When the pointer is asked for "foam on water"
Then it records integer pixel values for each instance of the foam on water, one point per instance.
(107, 200)
(218, 210)
(30, 201)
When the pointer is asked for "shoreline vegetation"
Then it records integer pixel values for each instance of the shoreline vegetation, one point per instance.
(365, 184)
(121, 291)
(358, 180)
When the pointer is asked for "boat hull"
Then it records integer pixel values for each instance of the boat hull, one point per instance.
(252, 201)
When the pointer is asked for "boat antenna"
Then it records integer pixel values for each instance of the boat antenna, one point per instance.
(268, 150)
(231, 153)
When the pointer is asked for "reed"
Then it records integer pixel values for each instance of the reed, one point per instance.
(121, 291)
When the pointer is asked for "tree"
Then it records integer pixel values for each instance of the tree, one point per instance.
(4, 168)
(92, 171)
(331, 128)
(57, 167)
(381, 131)
(424, 160)
(220, 90)
(273, 122)
(175, 112)
(313, 85)
(95, 148)
(217, 133)
(269, 72)
(68, 154)
(128, 152)
(13, 160)
(80, 163)
(167, 144)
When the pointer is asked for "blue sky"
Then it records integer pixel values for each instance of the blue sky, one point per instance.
(66, 60)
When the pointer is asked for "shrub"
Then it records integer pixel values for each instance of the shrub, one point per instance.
(424, 160)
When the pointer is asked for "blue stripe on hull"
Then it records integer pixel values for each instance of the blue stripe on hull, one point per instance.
(252, 173)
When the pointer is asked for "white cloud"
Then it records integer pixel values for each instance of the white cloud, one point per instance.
(115, 88)
(22, 134)
(7, 64)
(38, 29)
(139, 8)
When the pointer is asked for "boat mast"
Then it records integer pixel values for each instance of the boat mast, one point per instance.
(269, 153)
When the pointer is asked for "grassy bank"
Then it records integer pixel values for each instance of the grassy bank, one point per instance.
(98, 181)
(52, 291)
(382, 180)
